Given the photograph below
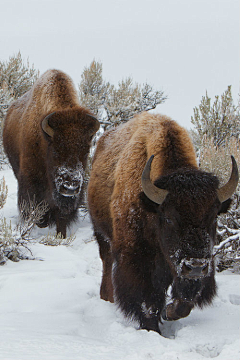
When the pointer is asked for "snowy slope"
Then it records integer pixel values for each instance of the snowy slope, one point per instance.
(50, 309)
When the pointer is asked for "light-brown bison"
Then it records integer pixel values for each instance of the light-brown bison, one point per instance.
(47, 137)
(155, 219)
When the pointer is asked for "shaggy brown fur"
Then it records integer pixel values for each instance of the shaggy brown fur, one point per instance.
(121, 156)
(146, 242)
(35, 156)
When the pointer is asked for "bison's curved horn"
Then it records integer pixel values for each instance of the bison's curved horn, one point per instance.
(151, 191)
(96, 124)
(93, 117)
(46, 127)
(226, 191)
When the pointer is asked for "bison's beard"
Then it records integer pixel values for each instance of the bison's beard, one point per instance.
(66, 204)
(186, 289)
(199, 291)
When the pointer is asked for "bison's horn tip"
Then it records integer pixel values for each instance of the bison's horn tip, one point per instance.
(227, 190)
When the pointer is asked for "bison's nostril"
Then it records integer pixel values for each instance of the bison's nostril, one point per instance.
(205, 269)
(186, 269)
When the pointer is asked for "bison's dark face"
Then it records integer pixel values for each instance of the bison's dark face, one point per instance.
(186, 233)
(69, 134)
(187, 204)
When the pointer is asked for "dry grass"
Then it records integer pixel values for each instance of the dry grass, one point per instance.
(218, 159)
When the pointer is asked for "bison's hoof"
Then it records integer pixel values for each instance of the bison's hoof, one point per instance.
(176, 310)
(150, 324)
(106, 295)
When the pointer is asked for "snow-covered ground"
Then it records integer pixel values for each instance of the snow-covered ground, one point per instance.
(50, 309)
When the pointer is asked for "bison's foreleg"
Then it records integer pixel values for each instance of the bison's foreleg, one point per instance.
(135, 293)
(106, 290)
(150, 324)
(61, 227)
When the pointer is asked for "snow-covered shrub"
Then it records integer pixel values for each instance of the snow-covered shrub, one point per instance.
(218, 161)
(218, 121)
(15, 79)
(32, 213)
(15, 243)
(113, 105)
(3, 193)
(56, 240)
(5, 101)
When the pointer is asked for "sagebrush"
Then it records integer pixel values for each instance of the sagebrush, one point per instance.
(217, 159)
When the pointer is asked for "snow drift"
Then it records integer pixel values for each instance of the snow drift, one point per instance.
(50, 309)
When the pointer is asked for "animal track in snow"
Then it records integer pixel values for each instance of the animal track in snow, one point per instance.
(234, 299)
(209, 350)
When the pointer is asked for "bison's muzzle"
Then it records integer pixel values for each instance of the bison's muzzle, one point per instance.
(69, 181)
(194, 268)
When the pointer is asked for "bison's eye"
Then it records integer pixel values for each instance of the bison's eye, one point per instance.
(168, 221)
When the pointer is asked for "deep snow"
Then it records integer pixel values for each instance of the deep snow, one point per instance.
(50, 309)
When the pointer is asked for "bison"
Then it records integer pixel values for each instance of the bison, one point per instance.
(154, 217)
(47, 136)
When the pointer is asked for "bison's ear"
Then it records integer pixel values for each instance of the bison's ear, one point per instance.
(148, 204)
(225, 206)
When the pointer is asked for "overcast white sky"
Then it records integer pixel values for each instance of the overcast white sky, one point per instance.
(183, 47)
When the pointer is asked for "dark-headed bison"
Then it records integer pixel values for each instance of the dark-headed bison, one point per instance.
(155, 219)
(47, 137)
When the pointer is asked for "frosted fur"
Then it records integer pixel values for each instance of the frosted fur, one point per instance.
(145, 246)
(49, 166)
(130, 146)
(51, 309)
(69, 178)
(43, 99)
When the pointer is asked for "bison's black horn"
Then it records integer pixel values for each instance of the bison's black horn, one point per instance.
(96, 124)
(151, 191)
(46, 127)
(227, 190)
(93, 117)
